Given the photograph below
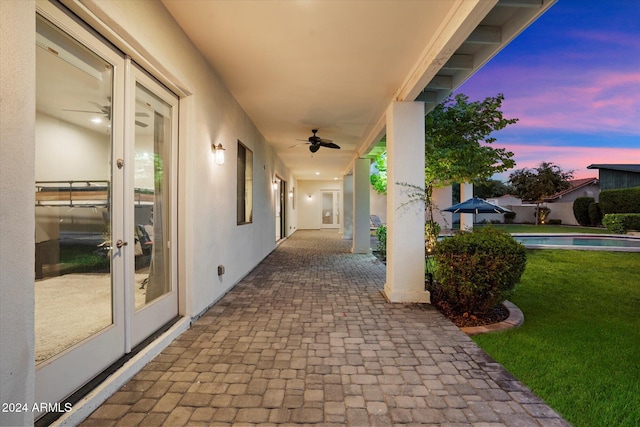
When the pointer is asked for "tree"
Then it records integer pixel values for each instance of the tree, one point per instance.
(487, 188)
(536, 184)
(457, 142)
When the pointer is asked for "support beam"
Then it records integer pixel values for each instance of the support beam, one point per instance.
(466, 192)
(405, 224)
(441, 82)
(361, 236)
(485, 34)
(521, 3)
(459, 63)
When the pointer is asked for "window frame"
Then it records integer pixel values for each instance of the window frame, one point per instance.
(244, 181)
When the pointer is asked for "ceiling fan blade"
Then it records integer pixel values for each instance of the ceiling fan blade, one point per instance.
(142, 125)
(314, 148)
(297, 145)
(329, 145)
(326, 141)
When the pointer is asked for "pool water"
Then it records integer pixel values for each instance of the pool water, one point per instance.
(580, 241)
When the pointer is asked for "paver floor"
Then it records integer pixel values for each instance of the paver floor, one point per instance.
(308, 338)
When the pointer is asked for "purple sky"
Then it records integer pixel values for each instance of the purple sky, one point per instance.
(573, 80)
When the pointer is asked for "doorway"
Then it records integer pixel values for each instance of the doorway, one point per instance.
(279, 192)
(105, 210)
(330, 209)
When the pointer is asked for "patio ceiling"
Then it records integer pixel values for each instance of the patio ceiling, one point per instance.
(337, 65)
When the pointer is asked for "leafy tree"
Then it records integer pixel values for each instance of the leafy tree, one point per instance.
(487, 188)
(457, 142)
(538, 183)
(379, 180)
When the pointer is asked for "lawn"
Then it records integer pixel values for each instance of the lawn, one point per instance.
(530, 228)
(579, 346)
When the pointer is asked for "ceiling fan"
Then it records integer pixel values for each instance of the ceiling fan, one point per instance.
(317, 142)
(106, 110)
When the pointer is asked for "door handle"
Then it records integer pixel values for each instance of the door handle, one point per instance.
(120, 244)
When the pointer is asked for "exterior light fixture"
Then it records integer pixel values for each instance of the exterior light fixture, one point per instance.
(219, 152)
(275, 184)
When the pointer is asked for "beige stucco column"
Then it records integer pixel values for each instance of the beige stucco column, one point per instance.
(361, 237)
(405, 225)
(347, 207)
(466, 219)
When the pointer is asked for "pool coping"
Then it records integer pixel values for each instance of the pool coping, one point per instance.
(633, 237)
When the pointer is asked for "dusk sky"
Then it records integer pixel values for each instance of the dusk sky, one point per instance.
(573, 80)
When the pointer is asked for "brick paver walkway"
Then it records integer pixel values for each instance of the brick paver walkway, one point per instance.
(308, 338)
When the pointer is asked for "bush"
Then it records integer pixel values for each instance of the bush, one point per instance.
(509, 217)
(626, 200)
(381, 234)
(478, 270)
(620, 223)
(554, 222)
(595, 216)
(581, 210)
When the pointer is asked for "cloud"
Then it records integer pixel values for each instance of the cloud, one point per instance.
(570, 158)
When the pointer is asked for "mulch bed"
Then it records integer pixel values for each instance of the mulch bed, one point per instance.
(496, 315)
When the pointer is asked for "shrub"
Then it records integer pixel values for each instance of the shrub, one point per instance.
(509, 217)
(620, 223)
(554, 222)
(478, 270)
(595, 216)
(381, 234)
(581, 210)
(626, 200)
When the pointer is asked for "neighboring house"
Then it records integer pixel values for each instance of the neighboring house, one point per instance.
(561, 203)
(613, 176)
(115, 120)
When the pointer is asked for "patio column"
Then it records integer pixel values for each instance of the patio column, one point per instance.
(405, 225)
(347, 207)
(466, 193)
(361, 236)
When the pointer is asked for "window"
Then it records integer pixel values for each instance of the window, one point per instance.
(245, 184)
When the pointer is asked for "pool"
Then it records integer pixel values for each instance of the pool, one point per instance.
(580, 242)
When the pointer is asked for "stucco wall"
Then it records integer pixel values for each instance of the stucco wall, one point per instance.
(309, 202)
(17, 174)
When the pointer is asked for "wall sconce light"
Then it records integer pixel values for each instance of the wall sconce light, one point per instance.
(275, 184)
(219, 153)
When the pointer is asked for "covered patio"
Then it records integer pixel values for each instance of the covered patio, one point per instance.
(308, 338)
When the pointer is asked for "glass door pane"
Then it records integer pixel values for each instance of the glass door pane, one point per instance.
(73, 287)
(151, 196)
(152, 187)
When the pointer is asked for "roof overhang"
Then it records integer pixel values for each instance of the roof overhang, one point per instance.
(336, 66)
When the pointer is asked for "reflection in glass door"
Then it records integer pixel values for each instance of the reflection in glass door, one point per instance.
(154, 126)
(78, 269)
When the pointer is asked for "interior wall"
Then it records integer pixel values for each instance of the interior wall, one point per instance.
(309, 202)
(17, 172)
(82, 153)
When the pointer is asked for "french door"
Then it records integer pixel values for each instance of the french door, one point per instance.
(106, 140)
(279, 191)
(330, 209)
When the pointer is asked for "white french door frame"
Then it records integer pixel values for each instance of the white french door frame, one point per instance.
(142, 323)
(63, 374)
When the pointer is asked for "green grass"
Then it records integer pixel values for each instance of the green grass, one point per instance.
(579, 346)
(530, 228)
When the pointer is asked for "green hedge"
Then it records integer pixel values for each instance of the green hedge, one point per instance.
(621, 223)
(595, 215)
(581, 210)
(626, 200)
(478, 270)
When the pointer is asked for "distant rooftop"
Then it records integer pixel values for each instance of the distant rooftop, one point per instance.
(574, 185)
(616, 167)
